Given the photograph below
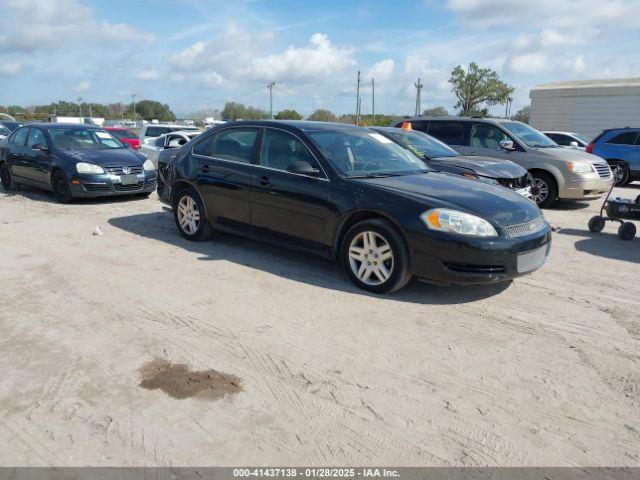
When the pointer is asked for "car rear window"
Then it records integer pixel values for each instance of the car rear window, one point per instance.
(121, 134)
(451, 133)
(625, 138)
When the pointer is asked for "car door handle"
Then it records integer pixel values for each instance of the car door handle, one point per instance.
(204, 168)
(264, 181)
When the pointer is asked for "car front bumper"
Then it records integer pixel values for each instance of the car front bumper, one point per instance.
(585, 189)
(456, 260)
(106, 185)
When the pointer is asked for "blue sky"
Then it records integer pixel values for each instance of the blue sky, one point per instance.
(197, 54)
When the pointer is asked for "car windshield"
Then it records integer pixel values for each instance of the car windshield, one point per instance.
(422, 144)
(529, 135)
(11, 125)
(121, 134)
(365, 153)
(4, 130)
(83, 138)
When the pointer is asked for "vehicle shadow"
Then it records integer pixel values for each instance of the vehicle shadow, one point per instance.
(38, 195)
(292, 265)
(605, 244)
(567, 205)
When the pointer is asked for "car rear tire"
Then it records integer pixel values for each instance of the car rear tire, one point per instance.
(190, 216)
(544, 190)
(622, 175)
(626, 231)
(8, 183)
(375, 256)
(61, 189)
(596, 224)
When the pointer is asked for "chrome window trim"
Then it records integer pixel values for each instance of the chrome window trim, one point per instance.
(325, 178)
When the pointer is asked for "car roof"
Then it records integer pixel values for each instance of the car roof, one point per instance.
(457, 119)
(559, 131)
(61, 125)
(182, 132)
(304, 125)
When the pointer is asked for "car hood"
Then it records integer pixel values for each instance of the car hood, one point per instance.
(500, 205)
(484, 166)
(113, 157)
(567, 154)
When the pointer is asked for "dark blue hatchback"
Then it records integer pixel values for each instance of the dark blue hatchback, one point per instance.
(74, 161)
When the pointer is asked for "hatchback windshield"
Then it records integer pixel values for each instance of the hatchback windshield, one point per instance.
(529, 135)
(120, 134)
(83, 138)
(422, 144)
(364, 153)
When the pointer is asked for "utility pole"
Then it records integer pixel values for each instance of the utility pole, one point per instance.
(270, 86)
(90, 114)
(418, 88)
(358, 100)
(133, 98)
(80, 107)
(373, 100)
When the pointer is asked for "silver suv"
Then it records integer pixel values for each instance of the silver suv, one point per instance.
(559, 173)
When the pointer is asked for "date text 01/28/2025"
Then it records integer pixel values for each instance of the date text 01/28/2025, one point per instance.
(291, 472)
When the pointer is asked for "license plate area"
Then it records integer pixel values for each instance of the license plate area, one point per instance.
(129, 179)
(532, 259)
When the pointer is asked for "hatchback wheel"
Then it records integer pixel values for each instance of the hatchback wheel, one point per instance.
(190, 216)
(621, 174)
(8, 184)
(543, 190)
(61, 189)
(375, 256)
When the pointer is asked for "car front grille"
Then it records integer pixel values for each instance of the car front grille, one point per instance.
(118, 187)
(118, 170)
(603, 169)
(469, 269)
(522, 229)
(514, 183)
(96, 187)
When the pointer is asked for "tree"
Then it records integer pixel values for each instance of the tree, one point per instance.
(435, 112)
(288, 114)
(236, 111)
(151, 110)
(477, 89)
(322, 115)
(523, 114)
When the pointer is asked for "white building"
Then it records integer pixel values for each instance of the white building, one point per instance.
(586, 106)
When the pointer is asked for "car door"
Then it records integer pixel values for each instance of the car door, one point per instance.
(485, 141)
(289, 206)
(634, 155)
(224, 166)
(37, 162)
(16, 154)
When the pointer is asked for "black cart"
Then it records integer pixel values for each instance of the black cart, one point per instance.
(617, 210)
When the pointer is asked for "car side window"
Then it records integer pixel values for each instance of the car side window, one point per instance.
(487, 136)
(560, 139)
(280, 150)
(20, 137)
(625, 138)
(205, 146)
(419, 125)
(36, 137)
(235, 144)
(451, 133)
(159, 142)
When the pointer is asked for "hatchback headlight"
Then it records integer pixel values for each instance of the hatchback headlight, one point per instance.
(580, 167)
(446, 220)
(82, 167)
(148, 165)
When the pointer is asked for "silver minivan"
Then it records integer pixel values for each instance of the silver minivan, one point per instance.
(558, 172)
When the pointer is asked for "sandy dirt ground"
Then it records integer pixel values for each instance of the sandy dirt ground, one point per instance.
(105, 340)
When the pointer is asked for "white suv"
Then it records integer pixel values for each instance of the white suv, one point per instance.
(150, 131)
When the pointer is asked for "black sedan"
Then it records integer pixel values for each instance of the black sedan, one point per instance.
(443, 158)
(73, 161)
(351, 194)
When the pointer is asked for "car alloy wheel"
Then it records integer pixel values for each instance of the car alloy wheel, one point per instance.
(539, 191)
(61, 189)
(621, 175)
(371, 258)
(188, 215)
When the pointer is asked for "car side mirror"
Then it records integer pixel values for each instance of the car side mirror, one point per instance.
(303, 168)
(506, 145)
(574, 144)
(40, 147)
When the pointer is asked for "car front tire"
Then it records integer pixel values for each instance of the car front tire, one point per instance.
(544, 190)
(376, 257)
(61, 189)
(8, 183)
(190, 216)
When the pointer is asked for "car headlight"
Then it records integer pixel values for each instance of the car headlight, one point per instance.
(446, 220)
(82, 167)
(579, 167)
(148, 165)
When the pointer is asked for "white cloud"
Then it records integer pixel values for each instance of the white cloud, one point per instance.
(10, 67)
(529, 63)
(212, 80)
(576, 65)
(150, 74)
(382, 70)
(82, 86)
